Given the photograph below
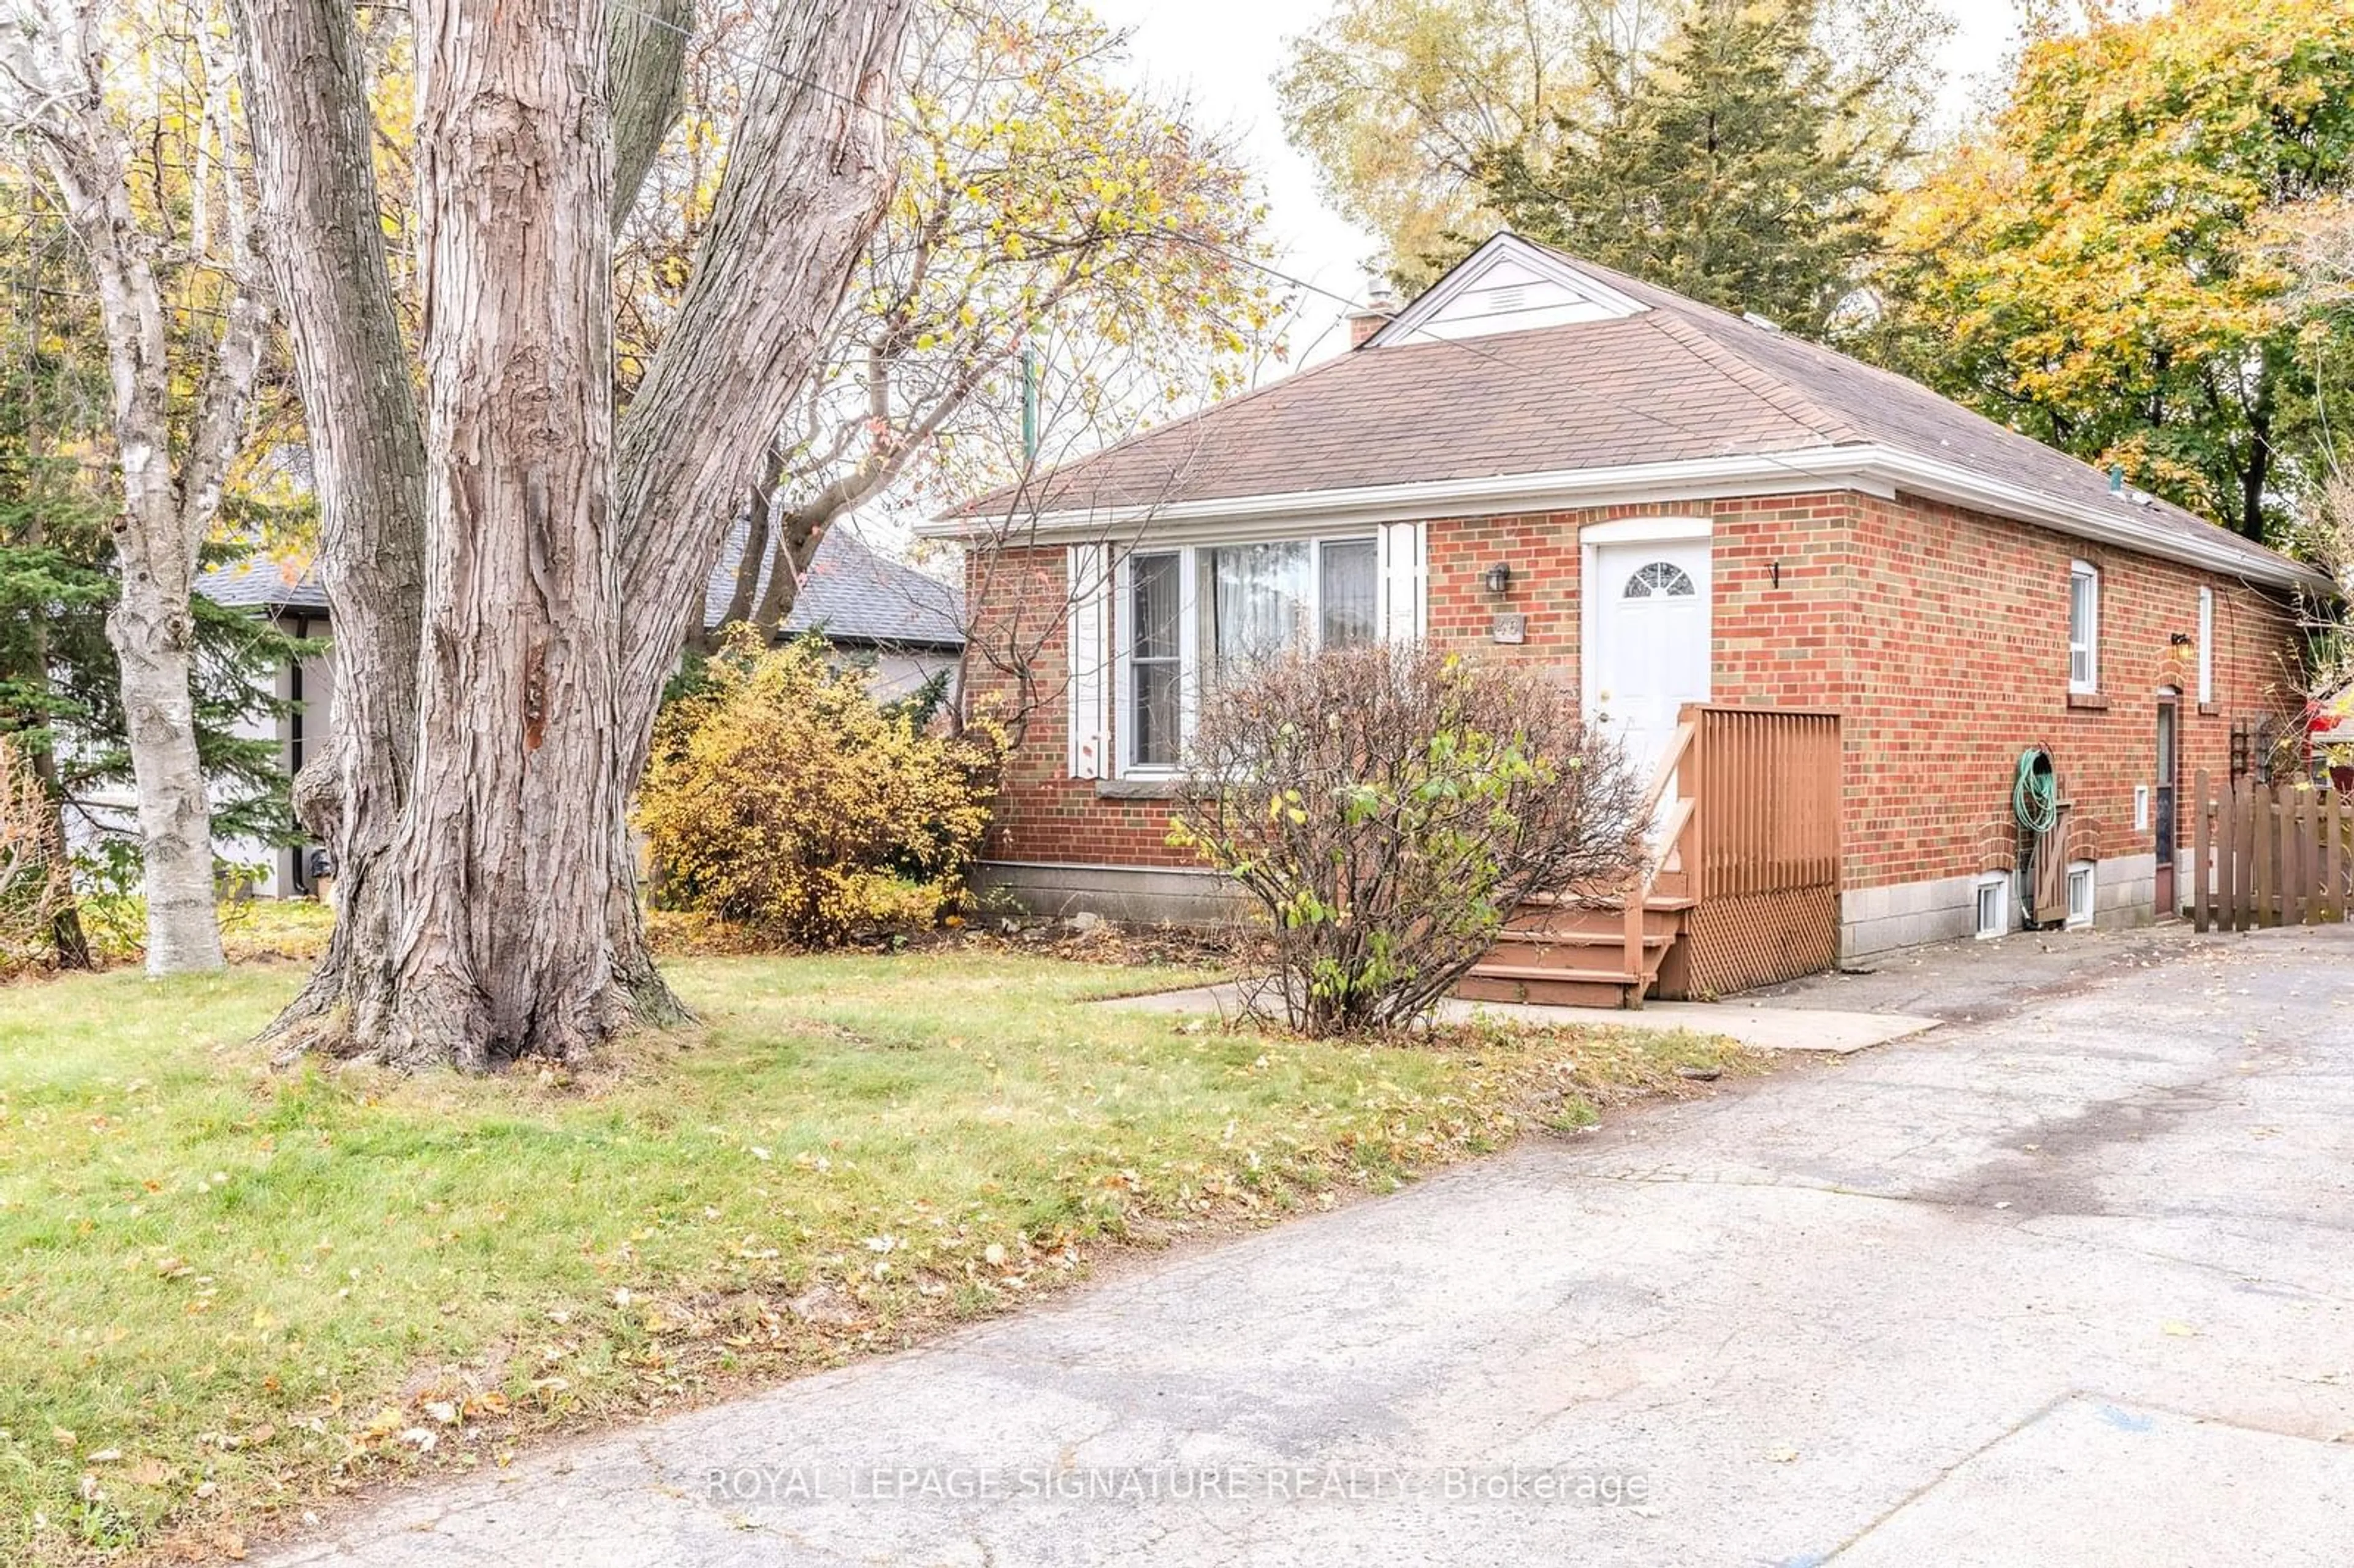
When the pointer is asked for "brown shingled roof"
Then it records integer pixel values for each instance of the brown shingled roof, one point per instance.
(1679, 381)
(1589, 396)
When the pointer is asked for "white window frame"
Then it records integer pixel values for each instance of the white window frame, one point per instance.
(1999, 884)
(1124, 664)
(2206, 647)
(2081, 873)
(1190, 649)
(2090, 683)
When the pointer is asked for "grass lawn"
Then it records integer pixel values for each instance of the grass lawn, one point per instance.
(226, 1292)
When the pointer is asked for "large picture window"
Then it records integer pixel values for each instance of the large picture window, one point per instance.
(1189, 614)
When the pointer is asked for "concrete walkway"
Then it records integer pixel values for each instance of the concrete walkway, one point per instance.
(1773, 1026)
(2075, 1286)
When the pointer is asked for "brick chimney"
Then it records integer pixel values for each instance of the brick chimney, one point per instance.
(1376, 315)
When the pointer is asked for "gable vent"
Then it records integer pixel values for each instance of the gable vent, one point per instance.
(1499, 300)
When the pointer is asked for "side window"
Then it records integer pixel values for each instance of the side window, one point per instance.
(1154, 664)
(2084, 628)
(1350, 589)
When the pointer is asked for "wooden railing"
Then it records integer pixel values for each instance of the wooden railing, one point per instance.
(1670, 848)
(1755, 836)
(1767, 787)
(2267, 856)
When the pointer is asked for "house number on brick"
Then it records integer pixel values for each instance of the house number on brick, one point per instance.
(1512, 628)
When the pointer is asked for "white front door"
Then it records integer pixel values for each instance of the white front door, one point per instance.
(1652, 649)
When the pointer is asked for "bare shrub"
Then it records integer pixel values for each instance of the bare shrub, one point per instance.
(1388, 807)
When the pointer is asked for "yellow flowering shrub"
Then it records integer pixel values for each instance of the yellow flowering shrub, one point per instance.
(782, 798)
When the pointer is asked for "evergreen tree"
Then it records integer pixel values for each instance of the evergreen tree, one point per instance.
(1736, 164)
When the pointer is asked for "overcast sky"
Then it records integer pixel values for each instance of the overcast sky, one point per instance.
(1224, 54)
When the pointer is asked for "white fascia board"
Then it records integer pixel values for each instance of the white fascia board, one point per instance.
(1698, 479)
(1879, 471)
(2117, 522)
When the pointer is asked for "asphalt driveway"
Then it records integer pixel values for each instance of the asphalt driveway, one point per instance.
(2073, 1286)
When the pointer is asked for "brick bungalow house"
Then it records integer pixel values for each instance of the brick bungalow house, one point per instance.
(1663, 505)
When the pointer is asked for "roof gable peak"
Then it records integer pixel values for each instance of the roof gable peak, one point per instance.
(1508, 284)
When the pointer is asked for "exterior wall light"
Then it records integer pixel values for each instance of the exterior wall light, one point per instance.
(1499, 579)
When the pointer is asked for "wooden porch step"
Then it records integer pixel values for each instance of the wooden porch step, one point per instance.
(1545, 972)
(1595, 927)
(1605, 902)
(1554, 989)
(1614, 936)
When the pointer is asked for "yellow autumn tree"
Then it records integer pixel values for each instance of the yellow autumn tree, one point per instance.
(2094, 267)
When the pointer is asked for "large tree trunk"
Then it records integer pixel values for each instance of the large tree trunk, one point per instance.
(518, 804)
(307, 100)
(507, 920)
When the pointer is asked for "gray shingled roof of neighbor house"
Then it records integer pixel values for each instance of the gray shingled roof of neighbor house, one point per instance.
(265, 583)
(1679, 381)
(849, 595)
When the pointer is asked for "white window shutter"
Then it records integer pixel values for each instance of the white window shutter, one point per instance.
(1405, 574)
(1090, 589)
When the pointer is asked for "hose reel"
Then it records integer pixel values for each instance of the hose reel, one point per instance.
(2035, 802)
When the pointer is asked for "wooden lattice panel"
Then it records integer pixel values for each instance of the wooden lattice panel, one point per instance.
(1741, 942)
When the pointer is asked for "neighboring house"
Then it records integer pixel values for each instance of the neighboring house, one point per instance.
(1663, 505)
(905, 626)
(902, 625)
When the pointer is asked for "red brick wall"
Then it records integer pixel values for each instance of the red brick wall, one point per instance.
(1018, 665)
(1958, 650)
(1940, 636)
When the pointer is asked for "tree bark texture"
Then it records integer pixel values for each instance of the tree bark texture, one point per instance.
(308, 106)
(512, 821)
(168, 506)
(645, 77)
(507, 921)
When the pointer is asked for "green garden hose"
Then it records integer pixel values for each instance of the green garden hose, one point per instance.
(2035, 798)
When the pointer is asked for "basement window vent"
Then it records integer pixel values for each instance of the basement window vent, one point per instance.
(1994, 904)
(2080, 893)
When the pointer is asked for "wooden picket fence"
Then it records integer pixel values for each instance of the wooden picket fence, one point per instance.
(2263, 855)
